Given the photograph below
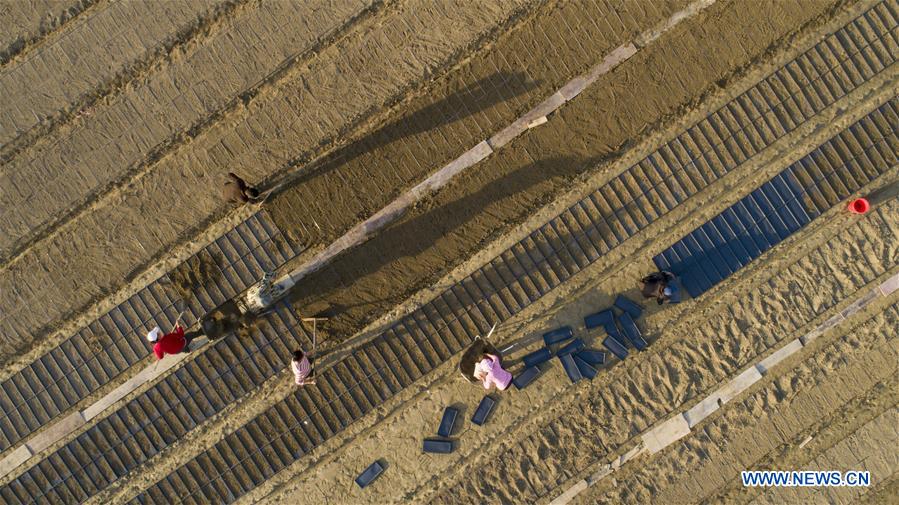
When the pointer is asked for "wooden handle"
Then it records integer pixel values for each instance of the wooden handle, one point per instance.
(178, 319)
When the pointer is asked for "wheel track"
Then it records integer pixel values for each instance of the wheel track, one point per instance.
(62, 171)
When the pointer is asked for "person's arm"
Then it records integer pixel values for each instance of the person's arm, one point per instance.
(157, 350)
(479, 372)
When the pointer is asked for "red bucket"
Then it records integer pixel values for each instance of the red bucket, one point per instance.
(859, 206)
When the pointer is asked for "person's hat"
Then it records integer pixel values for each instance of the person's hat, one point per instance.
(154, 334)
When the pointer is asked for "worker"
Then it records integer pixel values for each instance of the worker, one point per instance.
(490, 372)
(260, 297)
(301, 367)
(170, 343)
(237, 190)
(658, 285)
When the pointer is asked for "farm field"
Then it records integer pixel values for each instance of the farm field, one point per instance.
(719, 139)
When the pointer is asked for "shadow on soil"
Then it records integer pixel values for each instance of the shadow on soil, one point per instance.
(436, 236)
(485, 93)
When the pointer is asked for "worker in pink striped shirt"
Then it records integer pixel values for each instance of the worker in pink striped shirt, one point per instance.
(491, 373)
(301, 367)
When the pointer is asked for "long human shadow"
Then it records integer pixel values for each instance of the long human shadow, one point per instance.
(460, 104)
(418, 250)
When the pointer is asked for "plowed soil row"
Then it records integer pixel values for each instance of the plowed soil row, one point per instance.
(26, 22)
(195, 86)
(61, 77)
(850, 381)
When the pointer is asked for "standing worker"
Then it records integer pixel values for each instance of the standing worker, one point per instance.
(301, 367)
(237, 190)
(170, 343)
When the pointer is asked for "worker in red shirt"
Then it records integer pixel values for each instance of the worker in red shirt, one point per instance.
(170, 343)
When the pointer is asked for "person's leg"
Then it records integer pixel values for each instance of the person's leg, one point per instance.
(254, 195)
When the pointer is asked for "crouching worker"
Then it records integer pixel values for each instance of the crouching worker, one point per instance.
(302, 368)
(490, 372)
(237, 190)
(170, 343)
(659, 285)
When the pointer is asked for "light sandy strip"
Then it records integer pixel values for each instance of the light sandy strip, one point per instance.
(680, 425)
(363, 231)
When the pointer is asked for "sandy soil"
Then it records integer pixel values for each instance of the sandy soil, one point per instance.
(506, 188)
(427, 81)
(844, 394)
(549, 433)
(60, 77)
(630, 276)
